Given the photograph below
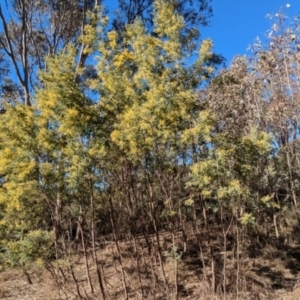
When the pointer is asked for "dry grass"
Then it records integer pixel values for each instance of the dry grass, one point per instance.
(263, 279)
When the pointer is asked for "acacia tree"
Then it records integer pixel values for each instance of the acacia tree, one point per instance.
(75, 150)
(32, 30)
(147, 96)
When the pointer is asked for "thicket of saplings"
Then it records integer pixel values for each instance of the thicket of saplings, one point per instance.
(168, 178)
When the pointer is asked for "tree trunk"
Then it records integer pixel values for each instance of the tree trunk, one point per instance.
(87, 269)
(112, 220)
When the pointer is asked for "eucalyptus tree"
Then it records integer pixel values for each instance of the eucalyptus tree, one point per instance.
(194, 12)
(33, 30)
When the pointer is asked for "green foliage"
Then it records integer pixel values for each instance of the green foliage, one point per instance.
(173, 254)
(247, 219)
(231, 166)
(34, 247)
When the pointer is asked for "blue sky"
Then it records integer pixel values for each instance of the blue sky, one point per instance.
(236, 23)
